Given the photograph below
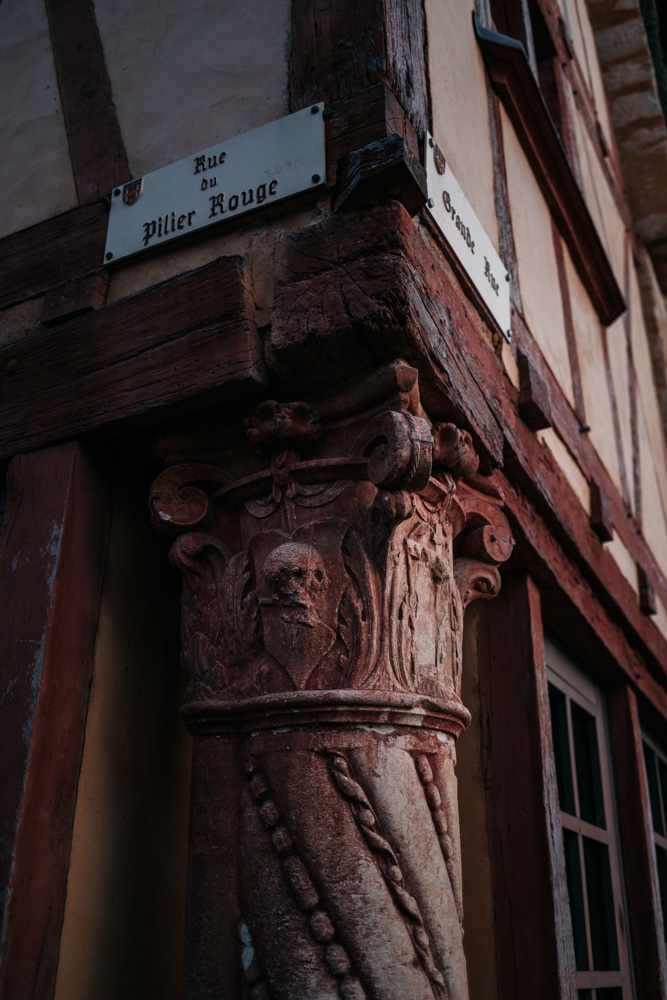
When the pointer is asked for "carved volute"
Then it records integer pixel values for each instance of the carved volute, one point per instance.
(327, 566)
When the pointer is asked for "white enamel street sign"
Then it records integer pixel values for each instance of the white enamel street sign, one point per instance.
(232, 178)
(466, 236)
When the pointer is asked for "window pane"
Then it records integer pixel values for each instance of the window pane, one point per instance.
(587, 756)
(652, 775)
(600, 905)
(661, 856)
(662, 771)
(609, 993)
(584, 995)
(575, 891)
(561, 749)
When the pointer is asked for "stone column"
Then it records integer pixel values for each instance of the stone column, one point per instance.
(328, 560)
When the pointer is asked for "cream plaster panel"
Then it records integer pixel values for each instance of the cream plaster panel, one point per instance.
(510, 365)
(36, 180)
(568, 467)
(654, 501)
(600, 202)
(460, 104)
(186, 76)
(624, 561)
(660, 620)
(619, 364)
(587, 56)
(536, 259)
(652, 445)
(594, 385)
(123, 927)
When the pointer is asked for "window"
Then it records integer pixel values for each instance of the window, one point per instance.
(590, 844)
(656, 776)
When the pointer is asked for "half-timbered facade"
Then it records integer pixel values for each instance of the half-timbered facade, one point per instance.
(333, 563)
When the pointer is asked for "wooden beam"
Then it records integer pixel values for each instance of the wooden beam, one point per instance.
(345, 46)
(52, 554)
(162, 347)
(96, 148)
(534, 952)
(51, 252)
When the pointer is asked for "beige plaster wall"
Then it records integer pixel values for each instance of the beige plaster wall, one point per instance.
(624, 561)
(124, 914)
(36, 180)
(585, 52)
(600, 202)
(460, 105)
(536, 259)
(185, 76)
(568, 467)
(590, 351)
(652, 445)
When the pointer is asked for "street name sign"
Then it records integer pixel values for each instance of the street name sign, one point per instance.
(467, 237)
(250, 171)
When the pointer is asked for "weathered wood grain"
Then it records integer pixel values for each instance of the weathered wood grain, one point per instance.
(66, 246)
(75, 297)
(351, 295)
(534, 953)
(52, 554)
(341, 47)
(96, 147)
(601, 520)
(164, 346)
(381, 170)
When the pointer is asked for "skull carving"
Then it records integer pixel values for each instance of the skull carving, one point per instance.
(296, 573)
(295, 630)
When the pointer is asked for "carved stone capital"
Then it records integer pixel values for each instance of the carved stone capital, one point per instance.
(327, 566)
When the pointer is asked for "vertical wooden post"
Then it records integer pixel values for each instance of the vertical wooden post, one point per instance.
(634, 814)
(533, 927)
(52, 552)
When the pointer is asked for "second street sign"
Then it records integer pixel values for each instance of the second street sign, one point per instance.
(256, 169)
(467, 237)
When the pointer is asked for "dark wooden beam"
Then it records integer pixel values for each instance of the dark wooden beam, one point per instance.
(51, 252)
(601, 519)
(513, 79)
(342, 47)
(52, 554)
(96, 148)
(534, 954)
(145, 354)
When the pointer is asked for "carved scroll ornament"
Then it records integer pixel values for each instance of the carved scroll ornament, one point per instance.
(327, 568)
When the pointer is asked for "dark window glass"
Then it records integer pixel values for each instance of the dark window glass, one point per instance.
(561, 749)
(661, 857)
(575, 890)
(652, 775)
(662, 771)
(587, 762)
(600, 905)
(609, 993)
